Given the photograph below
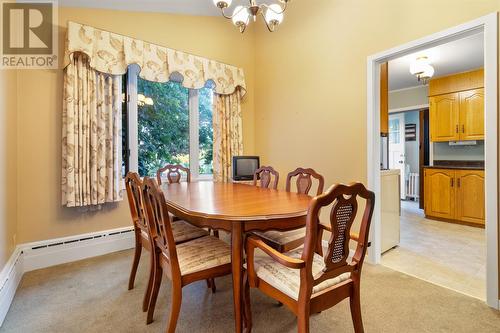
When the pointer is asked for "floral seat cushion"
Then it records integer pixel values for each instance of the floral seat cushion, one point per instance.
(282, 237)
(287, 280)
(203, 253)
(184, 231)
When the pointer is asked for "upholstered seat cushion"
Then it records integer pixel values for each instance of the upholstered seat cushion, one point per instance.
(184, 231)
(202, 253)
(282, 237)
(287, 280)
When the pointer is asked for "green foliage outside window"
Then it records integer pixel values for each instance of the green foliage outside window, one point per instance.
(163, 128)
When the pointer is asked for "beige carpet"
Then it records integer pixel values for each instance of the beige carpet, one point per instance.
(91, 296)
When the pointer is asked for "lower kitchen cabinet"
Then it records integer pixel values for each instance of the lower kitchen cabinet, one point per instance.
(455, 194)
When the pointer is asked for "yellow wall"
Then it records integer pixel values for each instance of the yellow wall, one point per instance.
(311, 76)
(8, 161)
(40, 98)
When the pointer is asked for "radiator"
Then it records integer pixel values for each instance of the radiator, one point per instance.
(412, 186)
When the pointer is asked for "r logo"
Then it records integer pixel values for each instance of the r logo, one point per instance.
(27, 28)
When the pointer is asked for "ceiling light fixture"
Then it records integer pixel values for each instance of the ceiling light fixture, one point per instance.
(422, 69)
(272, 14)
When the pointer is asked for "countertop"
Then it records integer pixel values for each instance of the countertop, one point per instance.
(388, 172)
(460, 167)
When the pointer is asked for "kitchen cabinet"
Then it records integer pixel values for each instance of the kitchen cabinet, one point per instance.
(472, 114)
(455, 195)
(470, 196)
(440, 193)
(456, 107)
(444, 117)
(384, 99)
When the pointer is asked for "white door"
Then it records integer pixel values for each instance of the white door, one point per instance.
(397, 147)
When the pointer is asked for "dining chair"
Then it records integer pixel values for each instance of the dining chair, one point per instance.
(182, 232)
(284, 241)
(305, 281)
(174, 175)
(263, 177)
(203, 258)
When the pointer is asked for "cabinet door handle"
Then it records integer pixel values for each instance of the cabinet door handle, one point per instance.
(458, 182)
(463, 128)
(452, 181)
(456, 129)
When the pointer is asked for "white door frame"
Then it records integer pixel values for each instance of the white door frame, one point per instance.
(489, 25)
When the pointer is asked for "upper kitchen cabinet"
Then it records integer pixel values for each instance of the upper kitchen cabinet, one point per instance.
(444, 117)
(472, 114)
(457, 107)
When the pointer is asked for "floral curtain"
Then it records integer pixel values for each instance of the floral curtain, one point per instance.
(228, 135)
(91, 135)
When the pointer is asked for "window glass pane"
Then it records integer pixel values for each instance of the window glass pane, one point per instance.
(205, 101)
(163, 127)
(394, 131)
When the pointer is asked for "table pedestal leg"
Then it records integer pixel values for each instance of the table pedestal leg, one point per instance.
(237, 263)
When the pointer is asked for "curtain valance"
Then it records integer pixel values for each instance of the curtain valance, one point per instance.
(112, 53)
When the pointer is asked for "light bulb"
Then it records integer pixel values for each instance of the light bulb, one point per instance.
(148, 101)
(141, 97)
(274, 14)
(428, 71)
(241, 16)
(222, 3)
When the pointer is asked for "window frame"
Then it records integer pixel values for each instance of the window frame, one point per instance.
(133, 127)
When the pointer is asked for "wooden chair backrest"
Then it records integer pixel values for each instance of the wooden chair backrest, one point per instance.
(173, 173)
(304, 181)
(344, 201)
(159, 221)
(266, 174)
(133, 185)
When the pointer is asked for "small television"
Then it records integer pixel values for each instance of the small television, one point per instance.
(244, 167)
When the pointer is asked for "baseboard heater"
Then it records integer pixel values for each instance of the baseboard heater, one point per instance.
(83, 239)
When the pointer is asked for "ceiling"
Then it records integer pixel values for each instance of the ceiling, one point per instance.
(454, 57)
(190, 7)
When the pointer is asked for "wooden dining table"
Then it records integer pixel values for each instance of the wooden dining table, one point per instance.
(237, 209)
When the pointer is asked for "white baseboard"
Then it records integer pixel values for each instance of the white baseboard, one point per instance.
(30, 256)
(62, 250)
(9, 281)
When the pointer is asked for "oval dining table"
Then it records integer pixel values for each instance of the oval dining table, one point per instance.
(237, 209)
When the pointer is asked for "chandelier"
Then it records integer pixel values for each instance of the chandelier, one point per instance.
(422, 69)
(272, 14)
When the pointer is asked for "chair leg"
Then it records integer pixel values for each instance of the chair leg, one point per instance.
(355, 303)
(303, 320)
(175, 306)
(211, 285)
(216, 233)
(154, 293)
(247, 304)
(135, 263)
(147, 294)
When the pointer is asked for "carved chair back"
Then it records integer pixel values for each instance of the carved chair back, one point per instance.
(133, 185)
(266, 174)
(343, 200)
(159, 222)
(173, 173)
(304, 181)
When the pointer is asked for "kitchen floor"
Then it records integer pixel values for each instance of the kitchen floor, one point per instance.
(449, 255)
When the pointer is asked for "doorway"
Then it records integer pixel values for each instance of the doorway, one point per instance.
(487, 25)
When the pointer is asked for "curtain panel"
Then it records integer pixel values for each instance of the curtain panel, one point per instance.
(112, 53)
(91, 135)
(228, 134)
